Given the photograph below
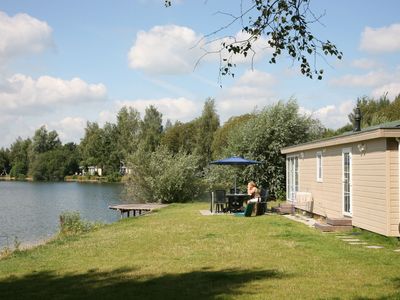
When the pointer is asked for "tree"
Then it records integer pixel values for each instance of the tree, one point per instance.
(370, 109)
(151, 129)
(390, 112)
(19, 158)
(90, 146)
(208, 123)
(377, 111)
(262, 137)
(5, 165)
(110, 157)
(181, 137)
(221, 135)
(283, 24)
(128, 130)
(72, 158)
(44, 141)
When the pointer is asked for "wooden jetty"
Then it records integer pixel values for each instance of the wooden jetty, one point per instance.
(136, 209)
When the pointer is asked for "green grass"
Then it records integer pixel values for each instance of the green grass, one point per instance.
(176, 253)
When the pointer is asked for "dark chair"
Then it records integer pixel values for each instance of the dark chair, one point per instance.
(234, 191)
(261, 207)
(220, 200)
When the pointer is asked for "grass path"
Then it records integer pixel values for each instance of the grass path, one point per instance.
(176, 253)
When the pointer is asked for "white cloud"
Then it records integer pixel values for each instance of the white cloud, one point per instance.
(332, 116)
(22, 35)
(253, 89)
(173, 49)
(365, 63)
(370, 79)
(381, 40)
(392, 89)
(165, 50)
(23, 93)
(70, 129)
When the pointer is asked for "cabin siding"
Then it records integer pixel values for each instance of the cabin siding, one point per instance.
(375, 184)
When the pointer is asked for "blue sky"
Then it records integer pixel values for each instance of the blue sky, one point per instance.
(63, 63)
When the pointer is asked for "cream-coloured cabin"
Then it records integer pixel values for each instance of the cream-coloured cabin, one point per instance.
(354, 175)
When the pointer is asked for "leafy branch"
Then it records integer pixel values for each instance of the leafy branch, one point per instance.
(286, 26)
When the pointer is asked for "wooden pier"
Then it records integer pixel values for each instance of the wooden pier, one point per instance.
(136, 209)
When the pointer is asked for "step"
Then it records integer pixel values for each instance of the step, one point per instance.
(339, 221)
(330, 228)
(283, 210)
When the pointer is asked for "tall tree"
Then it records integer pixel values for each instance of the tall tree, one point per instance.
(44, 141)
(19, 157)
(151, 129)
(128, 130)
(5, 164)
(221, 135)
(90, 146)
(109, 157)
(370, 109)
(181, 137)
(208, 123)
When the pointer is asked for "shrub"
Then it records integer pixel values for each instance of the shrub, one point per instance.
(163, 177)
(114, 177)
(72, 224)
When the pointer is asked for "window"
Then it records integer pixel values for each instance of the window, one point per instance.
(292, 177)
(319, 166)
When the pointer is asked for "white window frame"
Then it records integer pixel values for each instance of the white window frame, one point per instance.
(291, 177)
(350, 212)
(320, 170)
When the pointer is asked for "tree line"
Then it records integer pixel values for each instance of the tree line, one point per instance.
(170, 163)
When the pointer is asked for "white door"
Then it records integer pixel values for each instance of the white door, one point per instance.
(347, 183)
(292, 168)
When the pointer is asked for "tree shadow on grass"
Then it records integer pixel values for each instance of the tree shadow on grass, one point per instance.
(122, 283)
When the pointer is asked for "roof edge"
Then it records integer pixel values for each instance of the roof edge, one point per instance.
(344, 139)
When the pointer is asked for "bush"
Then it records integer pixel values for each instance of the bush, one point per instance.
(163, 177)
(72, 224)
(114, 177)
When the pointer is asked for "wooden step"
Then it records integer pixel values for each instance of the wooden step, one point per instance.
(330, 228)
(324, 227)
(339, 221)
(284, 209)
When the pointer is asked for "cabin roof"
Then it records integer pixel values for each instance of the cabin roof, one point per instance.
(389, 129)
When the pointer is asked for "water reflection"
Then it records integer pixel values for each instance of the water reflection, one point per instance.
(30, 210)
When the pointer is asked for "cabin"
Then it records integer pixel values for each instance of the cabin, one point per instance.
(352, 176)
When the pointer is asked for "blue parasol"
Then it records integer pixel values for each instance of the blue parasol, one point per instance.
(235, 161)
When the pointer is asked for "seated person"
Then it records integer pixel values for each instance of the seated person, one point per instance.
(253, 191)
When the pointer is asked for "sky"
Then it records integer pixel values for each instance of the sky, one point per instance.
(63, 63)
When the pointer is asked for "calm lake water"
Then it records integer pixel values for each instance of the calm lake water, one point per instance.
(30, 210)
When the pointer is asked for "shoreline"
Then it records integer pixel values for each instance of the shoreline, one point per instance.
(6, 251)
(82, 180)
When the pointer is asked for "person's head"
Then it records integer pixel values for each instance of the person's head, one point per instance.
(251, 184)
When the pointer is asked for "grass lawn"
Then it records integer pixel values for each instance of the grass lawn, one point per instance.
(176, 253)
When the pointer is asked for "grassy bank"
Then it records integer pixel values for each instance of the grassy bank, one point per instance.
(176, 253)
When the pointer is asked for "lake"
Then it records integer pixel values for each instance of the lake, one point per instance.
(30, 210)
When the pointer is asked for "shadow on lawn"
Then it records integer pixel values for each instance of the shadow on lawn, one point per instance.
(121, 283)
(396, 282)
